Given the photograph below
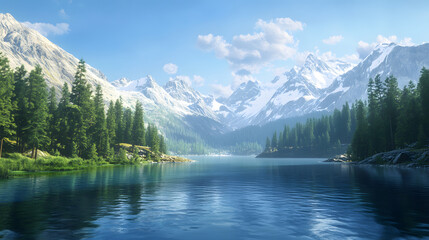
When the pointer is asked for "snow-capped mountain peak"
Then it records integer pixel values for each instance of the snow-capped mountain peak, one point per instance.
(181, 90)
(121, 82)
(319, 73)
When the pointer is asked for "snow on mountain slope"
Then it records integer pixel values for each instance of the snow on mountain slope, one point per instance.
(25, 46)
(181, 90)
(403, 62)
(287, 95)
(321, 74)
(318, 85)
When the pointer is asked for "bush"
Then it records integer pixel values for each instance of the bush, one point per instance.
(4, 172)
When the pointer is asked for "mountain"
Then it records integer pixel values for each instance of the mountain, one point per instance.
(403, 62)
(322, 86)
(184, 115)
(25, 46)
(288, 95)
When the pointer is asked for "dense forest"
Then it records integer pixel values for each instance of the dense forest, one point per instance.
(392, 118)
(76, 125)
(316, 137)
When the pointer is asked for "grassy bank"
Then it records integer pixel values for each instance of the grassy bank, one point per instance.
(18, 164)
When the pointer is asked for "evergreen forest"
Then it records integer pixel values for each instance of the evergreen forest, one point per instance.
(76, 125)
(391, 118)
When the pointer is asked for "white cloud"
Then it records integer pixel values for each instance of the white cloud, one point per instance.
(186, 79)
(220, 90)
(300, 57)
(240, 78)
(407, 42)
(251, 52)
(47, 28)
(390, 39)
(62, 13)
(170, 68)
(352, 58)
(215, 43)
(332, 40)
(364, 48)
(198, 80)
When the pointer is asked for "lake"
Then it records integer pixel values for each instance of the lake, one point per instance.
(219, 198)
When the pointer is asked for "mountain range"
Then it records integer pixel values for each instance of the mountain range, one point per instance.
(182, 112)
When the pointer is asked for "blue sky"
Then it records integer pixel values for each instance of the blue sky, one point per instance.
(218, 44)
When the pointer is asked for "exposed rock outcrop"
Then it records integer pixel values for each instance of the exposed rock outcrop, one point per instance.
(407, 157)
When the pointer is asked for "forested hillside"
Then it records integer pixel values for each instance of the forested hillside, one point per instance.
(76, 125)
(317, 137)
(391, 118)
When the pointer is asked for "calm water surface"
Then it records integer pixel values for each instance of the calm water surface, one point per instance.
(220, 198)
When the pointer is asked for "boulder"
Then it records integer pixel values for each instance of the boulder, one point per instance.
(424, 157)
(402, 157)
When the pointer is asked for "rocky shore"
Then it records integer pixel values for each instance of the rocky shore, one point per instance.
(339, 158)
(407, 157)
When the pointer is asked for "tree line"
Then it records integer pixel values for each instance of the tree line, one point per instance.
(392, 118)
(75, 126)
(322, 135)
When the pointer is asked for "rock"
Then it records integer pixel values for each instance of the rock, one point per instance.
(401, 158)
(424, 157)
(338, 158)
(411, 165)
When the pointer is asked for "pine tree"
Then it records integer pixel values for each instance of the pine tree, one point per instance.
(138, 131)
(92, 154)
(7, 107)
(286, 133)
(274, 141)
(52, 120)
(99, 128)
(81, 97)
(162, 145)
(153, 138)
(423, 87)
(37, 110)
(118, 120)
(110, 123)
(360, 145)
(20, 99)
(375, 119)
(64, 136)
(280, 140)
(267, 145)
(128, 125)
(408, 117)
(390, 110)
(345, 124)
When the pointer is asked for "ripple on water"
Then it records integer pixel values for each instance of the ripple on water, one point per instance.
(220, 198)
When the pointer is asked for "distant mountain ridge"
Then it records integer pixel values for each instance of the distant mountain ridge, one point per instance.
(25, 46)
(317, 86)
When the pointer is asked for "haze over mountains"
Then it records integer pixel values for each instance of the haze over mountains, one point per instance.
(316, 86)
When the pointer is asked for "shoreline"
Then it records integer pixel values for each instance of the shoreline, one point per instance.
(407, 158)
(18, 165)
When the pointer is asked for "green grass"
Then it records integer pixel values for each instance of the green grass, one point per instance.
(17, 164)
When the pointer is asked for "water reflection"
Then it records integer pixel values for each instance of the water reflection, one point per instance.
(236, 198)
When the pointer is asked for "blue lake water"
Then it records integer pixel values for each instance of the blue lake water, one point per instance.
(219, 198)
